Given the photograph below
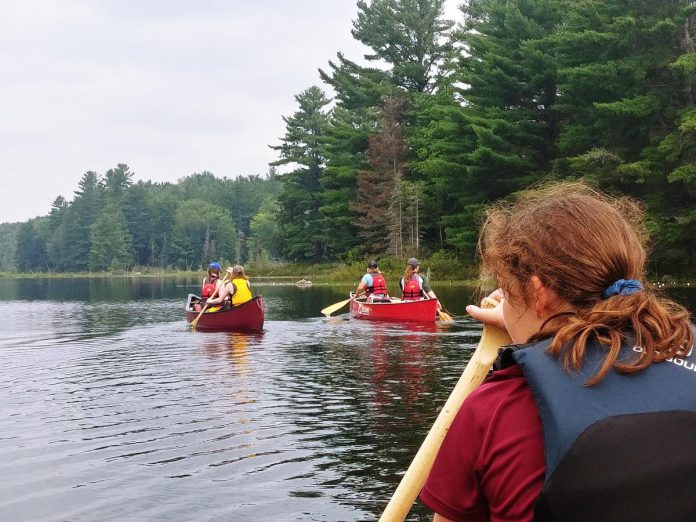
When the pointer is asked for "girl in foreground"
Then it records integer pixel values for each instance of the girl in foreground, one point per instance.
(591, 413)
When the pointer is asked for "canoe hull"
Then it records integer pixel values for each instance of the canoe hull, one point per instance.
(421, 311)
(247, 317)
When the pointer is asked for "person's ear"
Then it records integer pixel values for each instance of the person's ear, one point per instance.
(544, 297)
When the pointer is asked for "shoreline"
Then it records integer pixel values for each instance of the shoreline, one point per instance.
(340, 277)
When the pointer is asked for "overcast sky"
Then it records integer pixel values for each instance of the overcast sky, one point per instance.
(168, 87)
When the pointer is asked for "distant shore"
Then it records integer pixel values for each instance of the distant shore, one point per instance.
(324, 274)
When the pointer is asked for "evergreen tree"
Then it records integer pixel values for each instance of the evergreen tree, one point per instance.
(202, 232)
(508, 92)
(111, 245)
(30, 252)
(77, 233)
(8, 245)
(410, 35)
(626, 113)
(380, 202)
(117, 182)
(303, 145)
(346, 143)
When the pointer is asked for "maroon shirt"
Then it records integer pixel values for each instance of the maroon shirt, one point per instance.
(491, 464)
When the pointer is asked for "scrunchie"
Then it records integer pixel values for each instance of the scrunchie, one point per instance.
(622, 287)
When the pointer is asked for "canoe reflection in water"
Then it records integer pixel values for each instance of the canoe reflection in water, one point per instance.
(398, 358)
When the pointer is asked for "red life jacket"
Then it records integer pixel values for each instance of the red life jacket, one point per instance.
(379, 285)
(412, 289)
(208, 289)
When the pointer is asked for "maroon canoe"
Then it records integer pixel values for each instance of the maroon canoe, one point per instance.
(245, 317)
(421, 311)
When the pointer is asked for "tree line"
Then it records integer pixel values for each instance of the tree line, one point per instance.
(113, 223)
(448, 118)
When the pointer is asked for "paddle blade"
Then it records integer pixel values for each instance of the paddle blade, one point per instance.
(336, 306)
(444, 316)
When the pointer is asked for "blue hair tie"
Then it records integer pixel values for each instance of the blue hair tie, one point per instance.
(622, 287)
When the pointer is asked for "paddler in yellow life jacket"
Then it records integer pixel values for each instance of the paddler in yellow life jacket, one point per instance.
(237, 290)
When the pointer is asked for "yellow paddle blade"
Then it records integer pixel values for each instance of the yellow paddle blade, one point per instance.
(444, 316)
(336, 306)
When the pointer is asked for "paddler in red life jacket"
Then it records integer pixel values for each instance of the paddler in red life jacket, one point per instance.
(209, 285)
(414, 286)
(373, 284)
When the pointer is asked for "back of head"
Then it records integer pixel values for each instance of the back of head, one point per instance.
(238, 271)
(214, 268)
(579, 242)
(411, 267)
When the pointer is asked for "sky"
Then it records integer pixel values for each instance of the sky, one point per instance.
(169, 88)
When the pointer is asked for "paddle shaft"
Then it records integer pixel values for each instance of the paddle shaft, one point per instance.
(337, 306)
(474, 373)
(207, 304)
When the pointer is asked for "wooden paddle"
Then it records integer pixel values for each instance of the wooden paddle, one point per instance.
(337, 306)
(193, 323)
(444, 316)
(473, 375)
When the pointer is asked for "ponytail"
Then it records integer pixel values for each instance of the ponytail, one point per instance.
(658, 328)
(589, 250)
(408, 273)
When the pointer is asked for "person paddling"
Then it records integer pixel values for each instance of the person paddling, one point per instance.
(414, 285)
(237, 291)
(373, 285)
(211, 281)
(591, 413)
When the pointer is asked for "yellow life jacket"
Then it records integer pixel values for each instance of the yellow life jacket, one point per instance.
(242, 292)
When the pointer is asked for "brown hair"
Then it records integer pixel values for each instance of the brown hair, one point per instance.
(408, 273)
(238, 270)
(578, 242)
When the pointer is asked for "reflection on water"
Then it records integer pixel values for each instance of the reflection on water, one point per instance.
(113, 410)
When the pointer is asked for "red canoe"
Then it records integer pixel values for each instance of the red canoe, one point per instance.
(421, 311)
(245, 317)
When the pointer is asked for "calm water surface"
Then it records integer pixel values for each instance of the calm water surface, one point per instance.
(112, 410)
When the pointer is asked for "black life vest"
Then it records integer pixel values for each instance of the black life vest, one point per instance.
(624, 449)
(379, 285)
(413, 289)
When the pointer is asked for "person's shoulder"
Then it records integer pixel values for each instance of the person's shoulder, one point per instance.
(501, 387)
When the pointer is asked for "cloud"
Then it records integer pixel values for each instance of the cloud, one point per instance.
(168, 87)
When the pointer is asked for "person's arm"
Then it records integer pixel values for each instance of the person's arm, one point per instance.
(432, 295)
(429, 291)
(223, 291)
(364, 283)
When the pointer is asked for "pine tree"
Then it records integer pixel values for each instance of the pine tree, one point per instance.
(410, 35)
(111, 245)
(303, 145)
(379, 202)
(83, 211)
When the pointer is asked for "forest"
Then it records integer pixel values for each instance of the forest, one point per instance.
(406, 152)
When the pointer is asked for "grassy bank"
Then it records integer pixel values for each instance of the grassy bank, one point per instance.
(442, 266)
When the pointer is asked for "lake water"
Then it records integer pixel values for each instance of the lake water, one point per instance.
(112, 410)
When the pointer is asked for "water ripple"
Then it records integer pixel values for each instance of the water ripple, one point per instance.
(114, 411)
